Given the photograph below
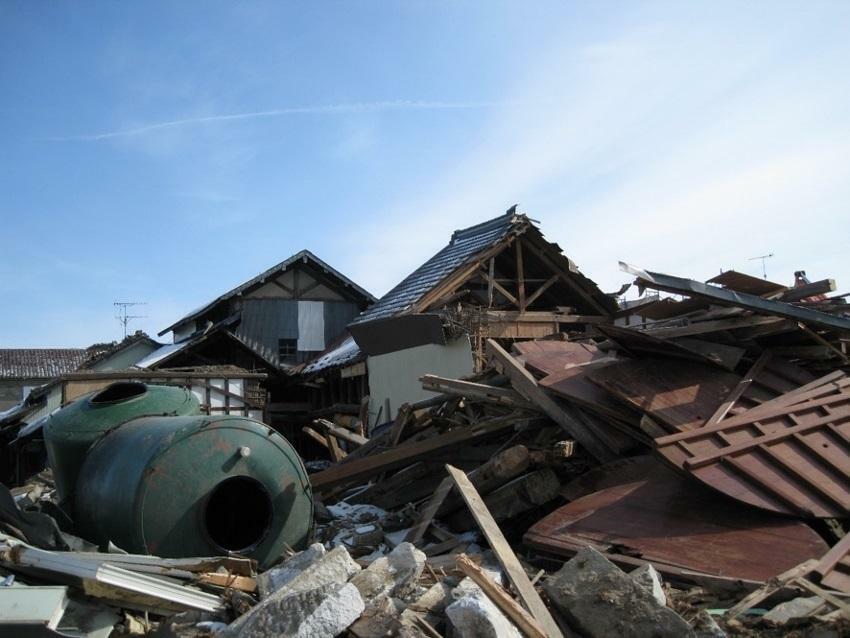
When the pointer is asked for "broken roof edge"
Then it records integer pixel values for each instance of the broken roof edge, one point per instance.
(512, 224)
(302, 254)
(729, 297)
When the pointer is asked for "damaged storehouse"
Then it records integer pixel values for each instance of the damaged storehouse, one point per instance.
(500, 279)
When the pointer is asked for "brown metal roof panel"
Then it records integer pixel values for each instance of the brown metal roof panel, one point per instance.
(677, 525)
(792, 459)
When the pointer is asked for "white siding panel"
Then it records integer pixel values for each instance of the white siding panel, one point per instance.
(311, 326)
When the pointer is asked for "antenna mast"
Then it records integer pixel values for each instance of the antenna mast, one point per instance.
(763, 258)
(124, 308)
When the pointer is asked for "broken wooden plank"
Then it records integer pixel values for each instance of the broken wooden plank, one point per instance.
(513, 610)
(341, 433)
(524, 383)
(229, 581)
(480, 391)
(417, 531)
(769, 588)
(507, 559)
(363, 468)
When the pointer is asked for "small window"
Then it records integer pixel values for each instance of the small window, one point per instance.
(287, 349)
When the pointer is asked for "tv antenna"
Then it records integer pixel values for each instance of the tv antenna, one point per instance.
(124, 309)
(763, 258)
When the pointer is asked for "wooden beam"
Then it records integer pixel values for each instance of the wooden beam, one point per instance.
(520, 276)
(341, 433)
(739, 389)
(809, 290)
(493, 284)
(524, 383)
(366, 467)
(491, 279)
(496, 593)
(819, 339)
(286, 289)
(337, 453)
(415, 534)
(318, 438)
(543, 288)
(456, 387)
(507, 559)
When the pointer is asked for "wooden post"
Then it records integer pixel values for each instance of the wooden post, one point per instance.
(520, 276)
(490, 279)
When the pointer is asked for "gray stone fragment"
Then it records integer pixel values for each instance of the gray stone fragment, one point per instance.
(275, 578)
(600, 600)
(706, 627)
(649, 579)
(475, 616)
(336, 566)
(796, 608)
(395, 574)
(322, 612)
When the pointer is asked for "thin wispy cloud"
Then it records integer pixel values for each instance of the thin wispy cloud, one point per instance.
(327, 109)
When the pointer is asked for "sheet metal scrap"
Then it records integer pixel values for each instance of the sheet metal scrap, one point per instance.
(684, 529)
(729, 297)
(791, 455)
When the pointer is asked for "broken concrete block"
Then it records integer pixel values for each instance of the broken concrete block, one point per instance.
(706, 627)
(600, 600)
(275, 578)
(649, 579)
(474, 616)
(366, 535)
(336, 566)
(395, 574)
(322, 612)
(796, 608)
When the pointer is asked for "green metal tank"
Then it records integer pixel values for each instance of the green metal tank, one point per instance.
(195, 486)
(70, 432)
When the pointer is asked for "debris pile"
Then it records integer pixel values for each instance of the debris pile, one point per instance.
(681, 470)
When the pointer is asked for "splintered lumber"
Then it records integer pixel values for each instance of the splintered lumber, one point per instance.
(365, 467)
(833, 570)
(524, 383)
(417, 531)
(770, 587)
(809, 290)
(337, 453)
(519, 496)
(738, 391)
(318, 438)
(513, 610)
(507, 559)
(341, 433)
(478, 391)
(229, 581)
(501, 468)
(724, 296)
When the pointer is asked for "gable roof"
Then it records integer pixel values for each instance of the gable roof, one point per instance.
(40, 363)
(464, 245)
(305, 255)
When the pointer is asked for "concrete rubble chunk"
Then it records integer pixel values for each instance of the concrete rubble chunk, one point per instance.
(336, 566)
(475, 616)
(600, 600)
(395, 574)
(796, 608)
(321, 612)
(647, 577)
(706, 627)
(277, 577)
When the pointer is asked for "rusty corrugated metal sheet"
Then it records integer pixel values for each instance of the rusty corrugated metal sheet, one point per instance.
(676, 524)
(790, 455)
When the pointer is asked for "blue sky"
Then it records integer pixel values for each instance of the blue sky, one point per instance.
(165, 152)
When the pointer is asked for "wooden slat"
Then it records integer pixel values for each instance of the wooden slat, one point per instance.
(526, 385)
(521, 618)
(507, 559)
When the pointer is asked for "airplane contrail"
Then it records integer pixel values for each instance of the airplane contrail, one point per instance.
(346, 107)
